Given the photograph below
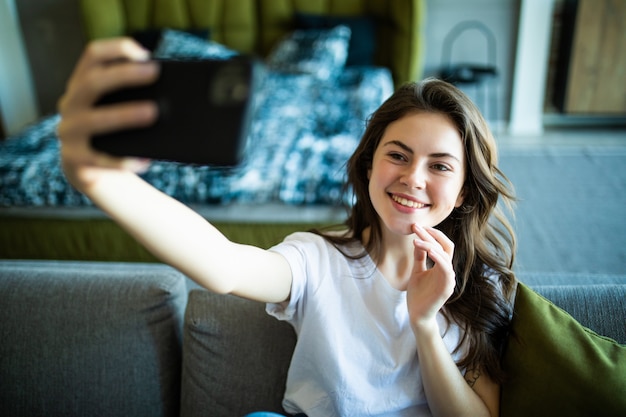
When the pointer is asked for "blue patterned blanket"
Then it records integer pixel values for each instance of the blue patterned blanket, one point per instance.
(303, 131)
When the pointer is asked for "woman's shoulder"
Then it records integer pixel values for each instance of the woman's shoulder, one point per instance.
(325, 237)
(332, 242)
(303, 243)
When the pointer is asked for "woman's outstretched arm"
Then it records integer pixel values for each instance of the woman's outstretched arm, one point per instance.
(167, 228)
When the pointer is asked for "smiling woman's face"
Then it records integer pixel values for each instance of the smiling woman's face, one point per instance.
(418, 172)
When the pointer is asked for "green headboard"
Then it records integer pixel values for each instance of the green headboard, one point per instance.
(254, 26)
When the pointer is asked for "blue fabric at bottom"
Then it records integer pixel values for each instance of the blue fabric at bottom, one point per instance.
(264, 414)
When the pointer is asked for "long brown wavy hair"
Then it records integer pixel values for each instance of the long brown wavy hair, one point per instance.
(484, 240)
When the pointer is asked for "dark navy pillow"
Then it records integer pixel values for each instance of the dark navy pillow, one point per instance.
(320, 52)
(150, 38)
(363, 28)
(176, 44)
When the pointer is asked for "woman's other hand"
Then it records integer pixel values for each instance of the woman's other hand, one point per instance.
(430, 287)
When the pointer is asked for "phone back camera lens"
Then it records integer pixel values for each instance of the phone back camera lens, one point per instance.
(229, 86)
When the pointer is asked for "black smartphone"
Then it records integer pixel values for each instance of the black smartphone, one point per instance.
(204, 113)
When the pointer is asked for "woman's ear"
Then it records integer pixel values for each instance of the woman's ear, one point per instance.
(460, 198)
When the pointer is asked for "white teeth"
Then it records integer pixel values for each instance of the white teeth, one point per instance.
(407, 203)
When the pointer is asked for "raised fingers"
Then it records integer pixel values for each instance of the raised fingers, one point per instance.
(85, 90)
(420, 254)
(89, 121)
(109, 50)
(107, 65)
(435, 238)
(440, 249)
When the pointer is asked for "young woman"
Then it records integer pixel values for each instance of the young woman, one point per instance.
(405, 312)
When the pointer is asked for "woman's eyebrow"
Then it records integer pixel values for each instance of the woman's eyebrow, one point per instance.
(444, 155)
(400, 144)
(409, 150)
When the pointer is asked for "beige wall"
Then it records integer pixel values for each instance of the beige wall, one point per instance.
(17, 97)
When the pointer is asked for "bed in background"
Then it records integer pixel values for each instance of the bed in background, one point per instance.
(328, 65)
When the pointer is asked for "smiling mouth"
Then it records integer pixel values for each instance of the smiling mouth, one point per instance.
(407, 203)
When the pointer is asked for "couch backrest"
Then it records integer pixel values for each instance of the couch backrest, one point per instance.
(254, 26)
(80, 338)
(235, 359)
(90, 339)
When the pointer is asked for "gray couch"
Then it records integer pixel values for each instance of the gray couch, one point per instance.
(113, 339)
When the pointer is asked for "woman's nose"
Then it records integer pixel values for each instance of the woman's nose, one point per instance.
(414, 177)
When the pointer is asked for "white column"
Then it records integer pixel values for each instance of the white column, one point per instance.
(531, 64)
(17, 96)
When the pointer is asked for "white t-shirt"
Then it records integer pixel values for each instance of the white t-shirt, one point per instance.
(356, 353)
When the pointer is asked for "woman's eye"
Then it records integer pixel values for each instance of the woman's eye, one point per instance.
(441, 167)
(397, 156)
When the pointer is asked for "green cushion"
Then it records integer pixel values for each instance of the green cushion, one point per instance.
(557, 367)
(231, 22)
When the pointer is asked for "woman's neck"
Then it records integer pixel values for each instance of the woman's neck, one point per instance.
(394, 259)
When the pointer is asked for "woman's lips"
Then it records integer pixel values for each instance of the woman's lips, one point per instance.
(403, 201)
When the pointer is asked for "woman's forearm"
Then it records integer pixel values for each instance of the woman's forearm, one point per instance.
(182, 238)
(447, 391)
(167, 228)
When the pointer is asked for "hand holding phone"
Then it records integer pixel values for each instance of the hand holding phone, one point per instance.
(204, 113)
